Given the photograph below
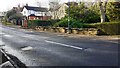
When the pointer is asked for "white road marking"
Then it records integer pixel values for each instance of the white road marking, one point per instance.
(79, 48)
(12, 28)
(2, 33)
(31, 31)
(8, 35)
(41, 31)
(117, 42)
(27, 48)
(29, 36)
(62, 35)
(33, 37)
(2, 43)
(22, 29)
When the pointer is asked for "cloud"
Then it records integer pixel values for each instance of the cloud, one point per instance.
(8, 4)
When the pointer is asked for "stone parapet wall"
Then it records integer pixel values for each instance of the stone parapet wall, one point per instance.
(85, 31)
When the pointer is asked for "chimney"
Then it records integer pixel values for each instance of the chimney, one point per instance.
(26, 4)
(19, 6)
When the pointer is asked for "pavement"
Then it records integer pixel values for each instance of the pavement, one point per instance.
(35, 48)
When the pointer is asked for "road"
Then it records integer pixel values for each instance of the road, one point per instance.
(49, 49)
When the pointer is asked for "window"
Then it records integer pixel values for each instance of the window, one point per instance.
(45, 14)
(37, 17)
(34, 18)
(24, 12)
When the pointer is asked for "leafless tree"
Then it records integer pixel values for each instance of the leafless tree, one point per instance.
(53, 5)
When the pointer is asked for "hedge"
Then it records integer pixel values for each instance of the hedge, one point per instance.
(106, 28)
(34, 23)
(110, 28)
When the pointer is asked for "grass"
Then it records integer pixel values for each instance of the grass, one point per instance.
(7, 23)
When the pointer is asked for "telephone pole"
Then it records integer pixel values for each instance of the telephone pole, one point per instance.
(68, 17)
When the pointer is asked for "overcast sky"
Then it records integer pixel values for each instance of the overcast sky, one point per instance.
(8, 4)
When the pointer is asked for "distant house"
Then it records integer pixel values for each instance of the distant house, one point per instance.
(18, 9)
(36, 13)
(54, 11)
(59, 11)
(2, 14)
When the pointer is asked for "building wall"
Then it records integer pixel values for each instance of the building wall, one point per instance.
(31, 12)
(39, 17)
(2, 13)
(32, 18)
(60, 12)
(25, 12)
(46, 17)
(54, 14)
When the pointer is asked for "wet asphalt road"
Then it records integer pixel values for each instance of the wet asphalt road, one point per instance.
(48, 49)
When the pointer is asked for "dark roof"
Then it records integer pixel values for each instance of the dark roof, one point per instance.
(72, 3)
(36, 8)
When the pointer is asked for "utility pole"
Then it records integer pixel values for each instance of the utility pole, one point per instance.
(68, 16)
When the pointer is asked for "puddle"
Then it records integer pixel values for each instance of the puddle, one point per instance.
(8, 36)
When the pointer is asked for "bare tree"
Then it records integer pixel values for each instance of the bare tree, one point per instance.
(53, 4)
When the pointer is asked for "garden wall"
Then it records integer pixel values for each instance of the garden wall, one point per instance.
(85, 31)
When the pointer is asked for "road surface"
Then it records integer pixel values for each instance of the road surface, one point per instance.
(48, 49)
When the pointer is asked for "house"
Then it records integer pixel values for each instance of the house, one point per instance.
(54, 11)
(2, 14)
(18, 19)
(59, 11)
(36, 13)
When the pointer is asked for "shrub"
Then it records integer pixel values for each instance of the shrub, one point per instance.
(113, 11)
(87, 25)
(106, 28)
(83, 13)
(72, 22)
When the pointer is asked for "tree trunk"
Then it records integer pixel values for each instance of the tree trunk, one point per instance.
(102, 11)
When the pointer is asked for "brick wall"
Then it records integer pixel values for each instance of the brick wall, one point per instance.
(39, 17)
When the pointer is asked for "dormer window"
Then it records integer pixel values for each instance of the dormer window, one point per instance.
(45, 14)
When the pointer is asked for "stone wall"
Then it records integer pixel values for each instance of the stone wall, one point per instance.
(83, 31)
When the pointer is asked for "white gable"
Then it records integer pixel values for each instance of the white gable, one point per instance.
(26, 12)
